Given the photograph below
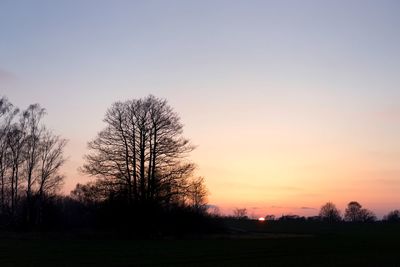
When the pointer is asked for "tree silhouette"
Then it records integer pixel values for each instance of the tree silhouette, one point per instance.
(7, 114)
(197, 193)
(30, 159)
(143, 155)
(240, 213)
(392, 216)
(31, 119)
(50, 159)
(330, 213)
(355, 213)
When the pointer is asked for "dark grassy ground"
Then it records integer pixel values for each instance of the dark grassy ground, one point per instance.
(250, 244)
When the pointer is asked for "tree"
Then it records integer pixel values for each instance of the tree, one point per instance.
(330, 213)
(392, 216)
(92, 192)
(197, 193)
(367, 216)
(30, 159)
(7, 114)
(355, 213)
(31, 119)
(50, 159)
(214, 210)
(15, 142)
(142, 152)
(270, 217)
(240, 213)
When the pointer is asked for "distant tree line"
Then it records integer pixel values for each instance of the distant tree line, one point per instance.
(143, 181)
(353, 213)
(329, 213)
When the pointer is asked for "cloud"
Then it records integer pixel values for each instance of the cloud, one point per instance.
(276, 207)
(6, 76)
(292, 208)
(307, 208)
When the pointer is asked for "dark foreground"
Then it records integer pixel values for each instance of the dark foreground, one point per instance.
(248, 244)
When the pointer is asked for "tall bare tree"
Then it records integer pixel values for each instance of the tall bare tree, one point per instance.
(30, 158)
(32, 117)
(7, 114)
(142, 151)
(51, 158)
(15, 142)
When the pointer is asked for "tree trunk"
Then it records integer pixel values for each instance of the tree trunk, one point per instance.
(142, 165)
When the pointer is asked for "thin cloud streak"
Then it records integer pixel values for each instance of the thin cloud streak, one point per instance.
(6, 76)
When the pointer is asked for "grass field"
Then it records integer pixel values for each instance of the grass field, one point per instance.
(252, 244)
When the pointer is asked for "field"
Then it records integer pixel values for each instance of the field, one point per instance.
(250, 243)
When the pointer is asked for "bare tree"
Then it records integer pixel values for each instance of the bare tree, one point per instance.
(31, 117)
(142, 151)
(15, 142)
(240, 213)
(7, 114)
(214, 210)
(197, 194)
(51, 158)
(92, 192)
(367, 215)
(30, 158)
(355, 213)
(330, 213)
(392, 216)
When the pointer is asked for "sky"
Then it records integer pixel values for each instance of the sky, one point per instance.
(290, 103)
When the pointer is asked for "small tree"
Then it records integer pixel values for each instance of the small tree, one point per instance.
(214, 210)
(270, 217)
(367, 215)
(355, 213)
(330, 213)
(197, 194)
(240, 213)
(392, 216)
(92, 192)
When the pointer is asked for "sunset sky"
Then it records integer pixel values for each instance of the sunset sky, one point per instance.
(290, 103)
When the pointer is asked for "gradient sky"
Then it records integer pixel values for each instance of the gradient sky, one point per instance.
(291, 103)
